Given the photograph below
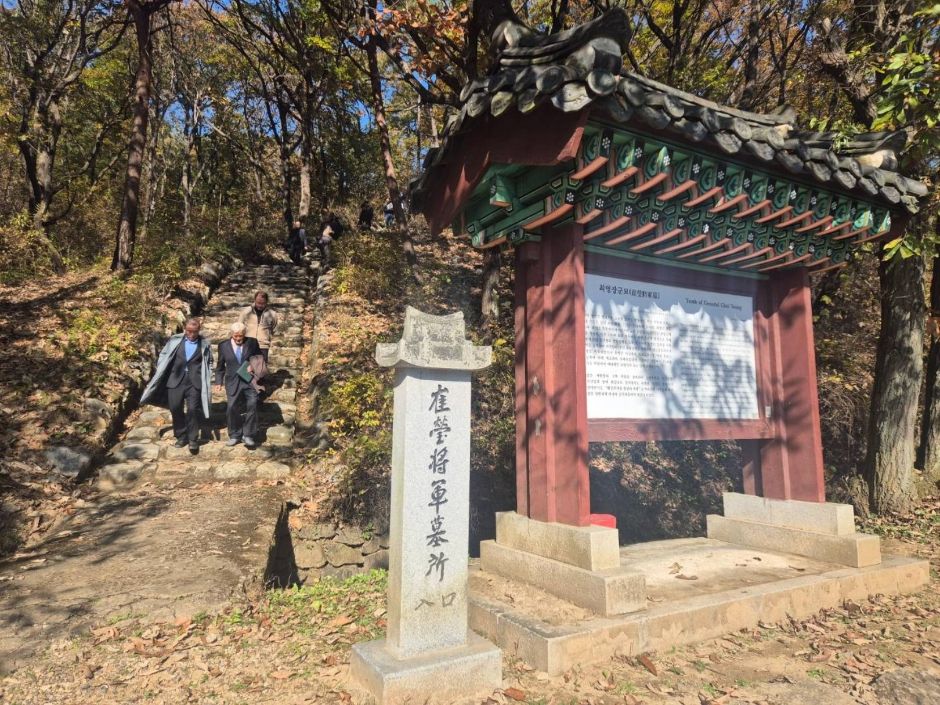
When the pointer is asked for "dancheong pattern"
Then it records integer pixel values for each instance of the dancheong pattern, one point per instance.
(640, 195)
(663, 172)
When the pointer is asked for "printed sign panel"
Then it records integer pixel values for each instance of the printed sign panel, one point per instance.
(667, 352)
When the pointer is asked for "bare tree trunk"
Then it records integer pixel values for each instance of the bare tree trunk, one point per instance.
(889, 463)
(45, 159)
(391, 181)
(303, 208)
(322, 175)
(123, 258)
(435, 138)
(149, 176)
(899, 367)
(748, 98)
(39, 159)
(218, 217)
(418, 136)
(928, 455)
(284, 153)
(186, 179)
(490, 303)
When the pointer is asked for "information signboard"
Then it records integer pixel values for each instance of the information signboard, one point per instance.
(654, 351)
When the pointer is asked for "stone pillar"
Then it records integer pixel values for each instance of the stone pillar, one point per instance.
(428, 651)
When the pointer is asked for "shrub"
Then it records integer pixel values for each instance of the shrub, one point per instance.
(358, 404)
(23, 253)
(92, 337)
(369, 265)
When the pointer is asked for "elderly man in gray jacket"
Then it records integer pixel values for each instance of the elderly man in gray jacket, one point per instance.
(183, 382)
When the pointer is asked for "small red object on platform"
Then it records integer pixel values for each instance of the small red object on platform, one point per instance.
(608, 520)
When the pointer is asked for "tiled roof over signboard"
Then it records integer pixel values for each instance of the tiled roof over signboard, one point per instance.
(667, 172)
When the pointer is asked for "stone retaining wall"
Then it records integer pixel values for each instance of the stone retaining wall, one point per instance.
(340, 551)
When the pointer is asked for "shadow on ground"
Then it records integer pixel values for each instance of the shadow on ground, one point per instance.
(163, 553)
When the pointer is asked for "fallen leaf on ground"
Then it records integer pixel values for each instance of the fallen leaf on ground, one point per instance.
(648, 664)
(340, 621)
(515, 694)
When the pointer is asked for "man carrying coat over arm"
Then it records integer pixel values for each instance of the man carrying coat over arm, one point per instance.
(232, 371)
(182, 382)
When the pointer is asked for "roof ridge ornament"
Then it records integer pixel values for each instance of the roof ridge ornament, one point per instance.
(513, 43)
(497, 20)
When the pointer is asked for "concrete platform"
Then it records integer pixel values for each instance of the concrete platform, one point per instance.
(607, 592)
(824, 531)
(854, 550)
(588, 547)
(696, 589)
(440, 677)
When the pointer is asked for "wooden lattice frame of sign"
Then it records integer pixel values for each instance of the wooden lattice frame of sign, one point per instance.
(579, 166)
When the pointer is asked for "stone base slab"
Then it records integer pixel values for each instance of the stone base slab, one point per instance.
(588, 547)
(818, 517)
(441, 677)
(556, 648)
(854, 550)
(605, 592)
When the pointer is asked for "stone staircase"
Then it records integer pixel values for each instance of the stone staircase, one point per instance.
(147, 451)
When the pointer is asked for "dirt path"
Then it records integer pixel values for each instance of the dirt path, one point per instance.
(169, 534)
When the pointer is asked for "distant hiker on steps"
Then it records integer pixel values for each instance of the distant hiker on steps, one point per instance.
(260, 322)
(297, 243)
(182, 379)
(234, 371)
(366, 216)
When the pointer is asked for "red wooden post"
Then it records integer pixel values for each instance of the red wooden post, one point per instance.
(750, 471)
(551, 395)
(791, 465)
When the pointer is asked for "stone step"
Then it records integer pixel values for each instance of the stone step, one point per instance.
(284, 362)
(270, 413)
(288, 395)
(195, 467)
(217, 450)
(135, 450)
(286, 350)
(121, 473)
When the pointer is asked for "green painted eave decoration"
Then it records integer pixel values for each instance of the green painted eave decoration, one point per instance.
(702, 207)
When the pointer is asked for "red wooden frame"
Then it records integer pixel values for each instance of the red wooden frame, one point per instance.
(552, 481)
(782, 450)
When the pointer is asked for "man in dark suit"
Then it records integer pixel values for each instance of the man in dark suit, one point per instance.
(238, 392)
(182, 379)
